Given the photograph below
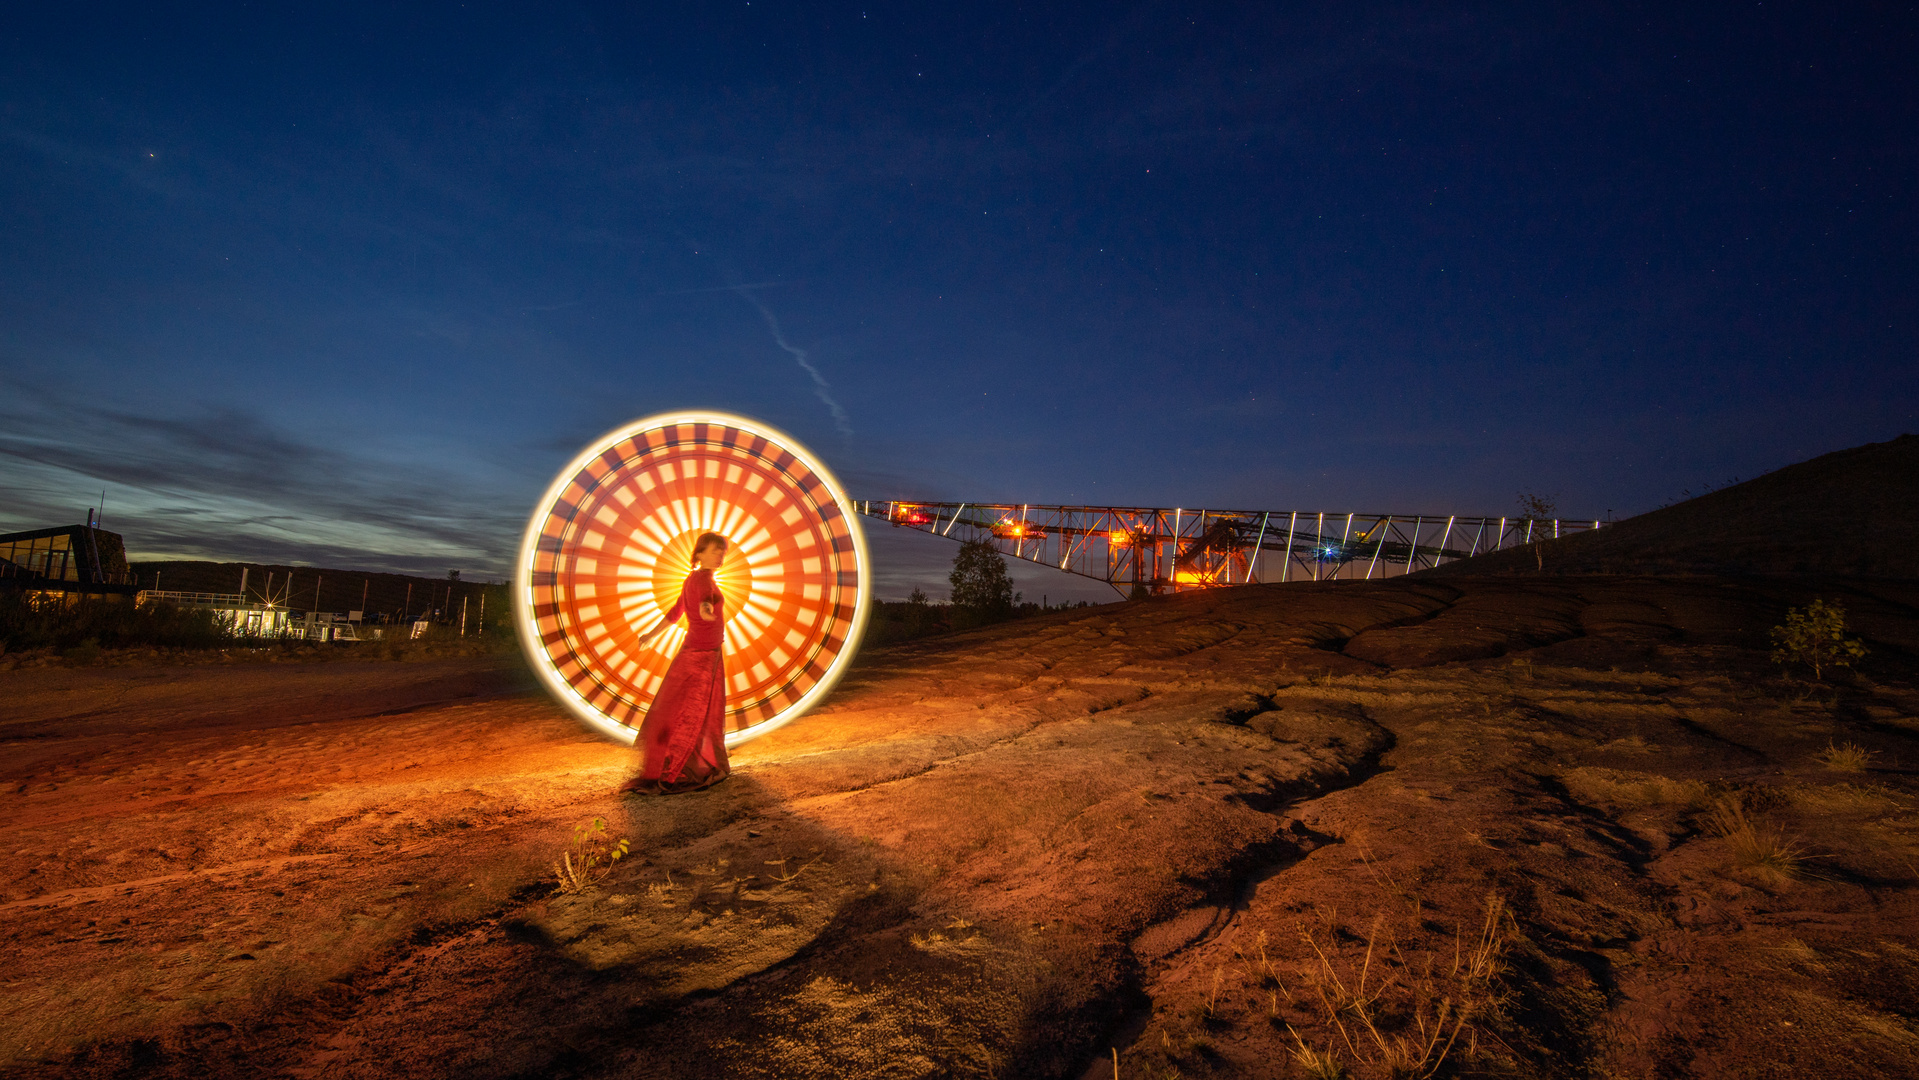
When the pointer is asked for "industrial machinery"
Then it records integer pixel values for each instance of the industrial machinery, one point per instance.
(1162, 550)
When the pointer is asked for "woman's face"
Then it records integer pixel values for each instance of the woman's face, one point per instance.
(710, 557)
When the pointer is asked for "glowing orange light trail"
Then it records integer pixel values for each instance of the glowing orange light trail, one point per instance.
(607, 549)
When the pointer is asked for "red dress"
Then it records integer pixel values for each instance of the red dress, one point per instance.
(683, 738)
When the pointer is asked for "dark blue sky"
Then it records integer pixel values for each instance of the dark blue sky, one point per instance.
(348, 287)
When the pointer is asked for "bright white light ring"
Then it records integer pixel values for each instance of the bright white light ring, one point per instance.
(817, 561)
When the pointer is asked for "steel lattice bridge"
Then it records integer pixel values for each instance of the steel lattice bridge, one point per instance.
(1176, 549)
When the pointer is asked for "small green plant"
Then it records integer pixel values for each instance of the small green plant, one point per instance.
(589, 858)
(1848, 757)
(1815, 637)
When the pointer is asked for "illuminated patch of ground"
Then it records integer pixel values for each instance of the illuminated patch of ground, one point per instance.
(1216, 833)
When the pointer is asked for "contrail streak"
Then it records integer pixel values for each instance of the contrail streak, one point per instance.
(821, 388)
(722, 288)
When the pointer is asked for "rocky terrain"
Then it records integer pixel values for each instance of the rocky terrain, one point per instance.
(1550, 826)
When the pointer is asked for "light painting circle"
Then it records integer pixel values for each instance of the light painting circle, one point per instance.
(608, 547)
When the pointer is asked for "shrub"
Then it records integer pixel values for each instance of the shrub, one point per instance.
(1849, 757)
(85, 653)
(1815, 637)
(84, 627)
(1755, 843)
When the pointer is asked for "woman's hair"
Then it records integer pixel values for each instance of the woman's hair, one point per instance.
(706, 540)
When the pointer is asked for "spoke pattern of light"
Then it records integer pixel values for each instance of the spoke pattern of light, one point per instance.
(609, 546)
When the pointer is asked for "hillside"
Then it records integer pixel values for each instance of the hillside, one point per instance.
(1852, 512)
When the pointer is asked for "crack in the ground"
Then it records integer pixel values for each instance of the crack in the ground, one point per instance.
(1229, 893)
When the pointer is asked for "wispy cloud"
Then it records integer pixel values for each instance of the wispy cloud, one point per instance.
(821, 388)
(223, 484)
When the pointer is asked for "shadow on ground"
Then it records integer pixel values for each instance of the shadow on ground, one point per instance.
(1228, 833)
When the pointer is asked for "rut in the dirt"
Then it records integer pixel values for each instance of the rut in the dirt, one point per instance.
(1160, 827)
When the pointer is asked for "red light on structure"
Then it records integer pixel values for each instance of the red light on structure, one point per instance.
(1119, 539)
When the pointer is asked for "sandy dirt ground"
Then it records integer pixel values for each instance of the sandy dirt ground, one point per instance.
(1569, 827)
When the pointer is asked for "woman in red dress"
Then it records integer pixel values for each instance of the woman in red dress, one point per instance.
(682, 741)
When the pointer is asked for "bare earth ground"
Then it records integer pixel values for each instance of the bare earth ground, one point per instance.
(1219, 835)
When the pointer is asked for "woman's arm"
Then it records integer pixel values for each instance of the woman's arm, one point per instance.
(655, 631)
(672, 616)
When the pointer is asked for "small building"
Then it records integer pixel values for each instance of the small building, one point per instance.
(68, 562)
(248, 617)
(328, 626)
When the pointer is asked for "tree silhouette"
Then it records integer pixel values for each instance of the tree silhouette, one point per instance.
(1538, 509)
(980, 582)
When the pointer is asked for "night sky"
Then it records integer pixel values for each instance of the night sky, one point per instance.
(346, 287)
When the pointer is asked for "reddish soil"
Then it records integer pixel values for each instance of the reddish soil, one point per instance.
(1221, 833)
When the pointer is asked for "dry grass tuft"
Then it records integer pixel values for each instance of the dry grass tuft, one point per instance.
(1404, 1019)
(959, 938)
(1756, 843)
(1212, 999)
(1318, 1064)
(1797, 954)
(661, 892)
(1264, 975)
(1849, 757)
(1635, 790)
(784, 875)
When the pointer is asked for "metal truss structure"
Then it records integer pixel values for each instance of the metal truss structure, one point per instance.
(1164, 550)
